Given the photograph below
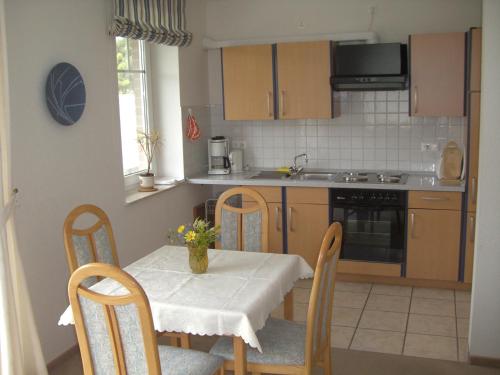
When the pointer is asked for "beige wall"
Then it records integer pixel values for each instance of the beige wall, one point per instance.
(394, 19)
(57, 167)
(484, 338)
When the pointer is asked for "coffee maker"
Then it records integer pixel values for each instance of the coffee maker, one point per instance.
(218, 155)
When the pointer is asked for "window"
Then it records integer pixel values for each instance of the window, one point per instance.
(133, 101)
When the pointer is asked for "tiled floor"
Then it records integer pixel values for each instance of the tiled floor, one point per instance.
(421, 322)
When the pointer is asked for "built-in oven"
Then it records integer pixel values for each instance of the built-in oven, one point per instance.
(373, 224)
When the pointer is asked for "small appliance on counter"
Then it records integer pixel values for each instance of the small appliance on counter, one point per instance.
(236, 160)
(450, 168)
(218, 155)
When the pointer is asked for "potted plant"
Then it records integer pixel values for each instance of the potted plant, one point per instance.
(148, 142)
(197, 237)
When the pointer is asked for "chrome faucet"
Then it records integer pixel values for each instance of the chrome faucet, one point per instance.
(294, 170)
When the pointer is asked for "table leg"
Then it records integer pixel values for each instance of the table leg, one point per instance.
(240, 356)
(288, 313)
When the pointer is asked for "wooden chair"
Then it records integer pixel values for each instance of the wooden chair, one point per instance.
(242, 228)
(115, 332)
(290, 347)
(96, 243)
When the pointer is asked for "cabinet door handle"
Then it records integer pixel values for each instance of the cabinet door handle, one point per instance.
(282, 103)
(415, 99)
(269, 97)
(412, 225)
(474, 190)
(277, 218)
(290, 216)
(435, 198)
(472, 228)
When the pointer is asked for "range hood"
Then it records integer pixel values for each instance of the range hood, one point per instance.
(370, 67)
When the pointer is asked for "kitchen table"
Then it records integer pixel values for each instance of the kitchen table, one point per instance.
(234, 298)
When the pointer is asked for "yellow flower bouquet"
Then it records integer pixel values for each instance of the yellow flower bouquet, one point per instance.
(197, 237)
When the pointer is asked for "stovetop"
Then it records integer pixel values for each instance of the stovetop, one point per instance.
(383, 178)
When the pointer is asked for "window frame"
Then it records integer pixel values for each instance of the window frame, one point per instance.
(132, 180)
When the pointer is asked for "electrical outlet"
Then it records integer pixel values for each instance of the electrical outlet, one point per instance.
(428, 146)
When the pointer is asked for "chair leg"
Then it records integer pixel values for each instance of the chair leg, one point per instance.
(174, 341)
(327, 362)
(185, 341)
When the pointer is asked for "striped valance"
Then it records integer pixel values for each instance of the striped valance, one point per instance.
(157, 21)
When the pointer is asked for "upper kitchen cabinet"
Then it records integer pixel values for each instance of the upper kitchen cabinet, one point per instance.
(303, 75)
(437, 74)
(248, 82)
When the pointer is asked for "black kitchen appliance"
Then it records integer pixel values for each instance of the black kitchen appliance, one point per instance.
(373, 224)
(382, 66)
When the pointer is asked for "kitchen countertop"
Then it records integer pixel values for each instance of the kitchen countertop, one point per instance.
(416, 181)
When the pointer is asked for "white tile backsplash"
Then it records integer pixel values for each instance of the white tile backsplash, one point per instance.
(374, 131)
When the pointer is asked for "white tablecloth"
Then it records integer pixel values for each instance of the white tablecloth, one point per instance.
(234, 297)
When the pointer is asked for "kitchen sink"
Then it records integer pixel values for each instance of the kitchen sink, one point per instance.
(315, 176)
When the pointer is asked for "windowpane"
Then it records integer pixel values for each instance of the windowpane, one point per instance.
(133, 102)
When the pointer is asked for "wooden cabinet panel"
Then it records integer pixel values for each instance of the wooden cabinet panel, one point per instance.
(275, 227)
(442, 200)
(475, 61)
(307, 195)
(248, 82)
(433, 244)
(474, 124)
(437, 74)
(304, 80)
(307, 224)
(470, 238)
(270, 193)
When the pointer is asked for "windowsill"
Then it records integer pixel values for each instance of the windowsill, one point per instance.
(132, 195)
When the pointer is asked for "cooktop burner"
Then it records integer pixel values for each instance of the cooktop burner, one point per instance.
(372, 177)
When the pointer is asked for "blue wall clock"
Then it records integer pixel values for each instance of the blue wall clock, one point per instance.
(65, 93)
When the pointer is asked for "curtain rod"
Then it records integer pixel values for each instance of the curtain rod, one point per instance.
(360, 37)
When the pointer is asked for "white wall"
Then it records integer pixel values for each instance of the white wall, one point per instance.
(394, 19)
(57, 167)
(484, 338)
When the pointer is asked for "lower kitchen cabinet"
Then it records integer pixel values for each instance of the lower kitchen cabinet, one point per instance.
(307, 224)
(469, 246)
(433, 246)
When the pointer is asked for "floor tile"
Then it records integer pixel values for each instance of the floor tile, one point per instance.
(301, 295)
(432, 325)
(304, 283)
(342, 336)
(429, 306)
(428, 346)
(346, 286)
(378, 341)
(300, 312)
(349, 299)
(463, 309)
(462, 296)
(434, 293)
(346, 316)
(463, 350)
(388, 303)
(392, 290)
(384, 320)
(463, 327)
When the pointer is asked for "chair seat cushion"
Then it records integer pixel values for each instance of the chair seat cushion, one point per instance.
(178, 361)
(282, 342)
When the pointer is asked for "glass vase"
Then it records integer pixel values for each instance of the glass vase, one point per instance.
(198, 259)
